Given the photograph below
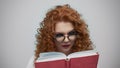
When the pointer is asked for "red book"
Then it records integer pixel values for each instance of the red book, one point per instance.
(83, 59)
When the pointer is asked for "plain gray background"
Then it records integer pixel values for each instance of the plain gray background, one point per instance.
(19, 20)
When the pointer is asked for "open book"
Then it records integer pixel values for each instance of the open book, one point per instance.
(82, 59)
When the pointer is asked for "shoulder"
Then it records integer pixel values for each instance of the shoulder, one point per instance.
(31, 62)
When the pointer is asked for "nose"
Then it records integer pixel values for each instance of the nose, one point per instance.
(66, 39)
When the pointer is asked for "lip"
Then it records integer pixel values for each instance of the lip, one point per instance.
(65, 46)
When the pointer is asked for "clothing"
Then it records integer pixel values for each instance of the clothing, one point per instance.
(31, 63)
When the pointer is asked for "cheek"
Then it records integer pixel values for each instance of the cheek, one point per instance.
(57, 43)
(72, 42)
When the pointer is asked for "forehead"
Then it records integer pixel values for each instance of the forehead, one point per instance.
(63, 27)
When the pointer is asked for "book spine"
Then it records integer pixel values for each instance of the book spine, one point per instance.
(67, 63)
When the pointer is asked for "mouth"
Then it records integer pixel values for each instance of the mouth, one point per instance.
(65, 46)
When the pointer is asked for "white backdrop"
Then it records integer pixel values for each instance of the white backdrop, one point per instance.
(19, 20)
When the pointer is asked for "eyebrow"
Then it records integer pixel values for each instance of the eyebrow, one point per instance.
(63, 32)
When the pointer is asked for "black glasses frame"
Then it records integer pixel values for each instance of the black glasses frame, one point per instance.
(73, 32)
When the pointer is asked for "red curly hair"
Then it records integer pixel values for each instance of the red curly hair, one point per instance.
(45, 40)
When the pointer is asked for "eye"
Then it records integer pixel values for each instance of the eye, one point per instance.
(72, 33)
(59, 35)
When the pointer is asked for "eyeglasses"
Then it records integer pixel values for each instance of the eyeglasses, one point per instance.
(60, 37)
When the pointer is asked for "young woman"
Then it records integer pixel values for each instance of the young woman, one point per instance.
(62, 30)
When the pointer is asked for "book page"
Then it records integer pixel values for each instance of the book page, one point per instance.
(51, 56)
(82, 54)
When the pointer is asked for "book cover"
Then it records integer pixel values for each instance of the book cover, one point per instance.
(83, 59)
